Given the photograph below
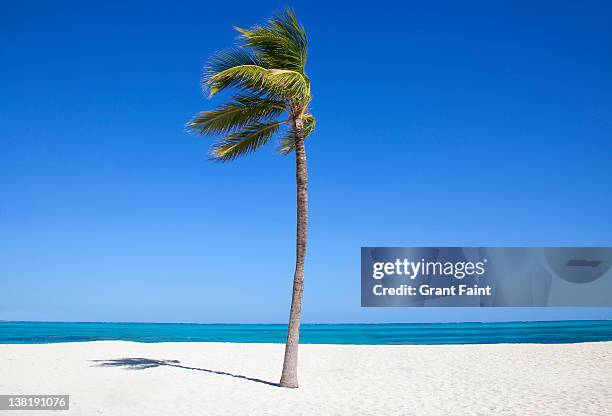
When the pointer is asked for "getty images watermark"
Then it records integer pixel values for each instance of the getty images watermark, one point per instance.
(34, 402)
(486, 276)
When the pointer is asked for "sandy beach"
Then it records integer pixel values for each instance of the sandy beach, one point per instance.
(125, 378)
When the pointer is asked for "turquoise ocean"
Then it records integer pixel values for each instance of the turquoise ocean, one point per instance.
(557, 332)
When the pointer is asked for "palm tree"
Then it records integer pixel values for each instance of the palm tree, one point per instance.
(266, 69)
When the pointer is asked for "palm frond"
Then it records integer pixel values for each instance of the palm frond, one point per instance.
(223, 60)
(268, 68)
(281, 83)
(281, 43)
(245, 110)
(245, 141)
(287, 143)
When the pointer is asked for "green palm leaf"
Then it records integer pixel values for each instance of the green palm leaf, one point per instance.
(246, 109)
(281, 43)
(222, 60)
(282, 83)
(245, 141)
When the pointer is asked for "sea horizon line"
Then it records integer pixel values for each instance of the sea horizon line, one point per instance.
(307, 323)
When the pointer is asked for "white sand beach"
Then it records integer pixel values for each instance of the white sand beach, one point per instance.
(124, 378)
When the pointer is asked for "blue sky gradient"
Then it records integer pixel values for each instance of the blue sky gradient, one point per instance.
(438, 123)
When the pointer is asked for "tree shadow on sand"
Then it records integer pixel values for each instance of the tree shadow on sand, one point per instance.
(144, 363)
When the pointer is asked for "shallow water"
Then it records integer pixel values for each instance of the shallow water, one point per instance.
(372, 334)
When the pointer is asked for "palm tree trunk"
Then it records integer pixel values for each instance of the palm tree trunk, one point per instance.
(289, 376)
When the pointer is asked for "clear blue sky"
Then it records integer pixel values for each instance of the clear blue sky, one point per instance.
(446, 123)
